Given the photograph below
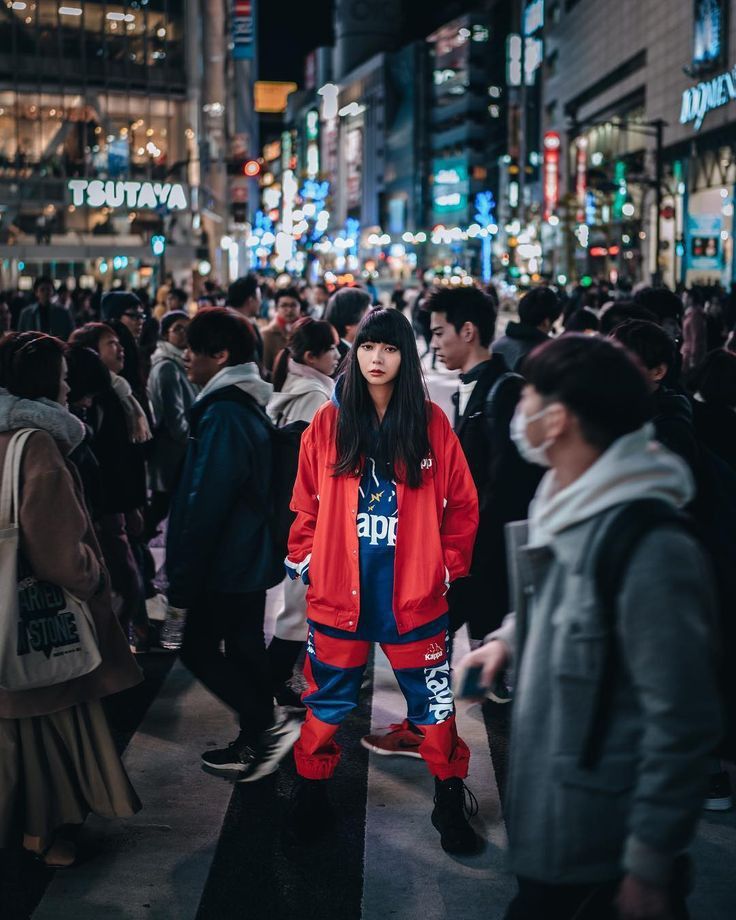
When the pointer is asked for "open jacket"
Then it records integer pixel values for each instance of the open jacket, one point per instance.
(434, 544)
(58, 541)
(637, 809)
(218, 538)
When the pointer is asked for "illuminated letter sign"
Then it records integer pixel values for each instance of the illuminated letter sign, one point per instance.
(703, 98)
(551, 173)
(138, 196)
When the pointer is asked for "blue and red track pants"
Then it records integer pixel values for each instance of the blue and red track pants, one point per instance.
(334, 671)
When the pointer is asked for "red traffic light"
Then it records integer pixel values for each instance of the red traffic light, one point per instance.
(252, 169)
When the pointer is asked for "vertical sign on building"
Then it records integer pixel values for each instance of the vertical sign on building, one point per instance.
(244, 27)
(581, 177)
(551, 168)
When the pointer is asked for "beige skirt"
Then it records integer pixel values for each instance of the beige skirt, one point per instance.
(56, 769)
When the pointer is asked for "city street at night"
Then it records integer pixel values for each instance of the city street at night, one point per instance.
(367, 460)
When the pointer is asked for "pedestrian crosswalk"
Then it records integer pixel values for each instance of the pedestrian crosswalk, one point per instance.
(202, 849)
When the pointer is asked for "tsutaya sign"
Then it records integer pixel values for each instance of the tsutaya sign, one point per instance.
(703, 98)
(95, 193)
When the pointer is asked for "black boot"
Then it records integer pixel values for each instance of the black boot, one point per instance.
(450, 816)
(310, 815)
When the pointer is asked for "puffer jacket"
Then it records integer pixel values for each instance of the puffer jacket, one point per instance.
(434, 544)
(172, 396)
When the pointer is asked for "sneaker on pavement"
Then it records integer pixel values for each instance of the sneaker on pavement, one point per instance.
(271, 748)
(719, 796)
(454, 803)
(401, 740)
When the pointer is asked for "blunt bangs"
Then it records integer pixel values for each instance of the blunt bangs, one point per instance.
(381, 327)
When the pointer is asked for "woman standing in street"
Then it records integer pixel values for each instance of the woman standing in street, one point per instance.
(386, 516)
(58, 760)
(302, 382)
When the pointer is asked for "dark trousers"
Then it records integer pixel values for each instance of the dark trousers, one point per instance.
(540, 901)
(115, 542)
(240, 677)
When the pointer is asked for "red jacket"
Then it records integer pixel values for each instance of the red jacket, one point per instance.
(436, 531)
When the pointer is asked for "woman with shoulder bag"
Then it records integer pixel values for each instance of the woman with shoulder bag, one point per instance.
(58, 760)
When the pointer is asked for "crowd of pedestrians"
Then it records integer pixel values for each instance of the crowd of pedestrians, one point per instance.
(576, 513)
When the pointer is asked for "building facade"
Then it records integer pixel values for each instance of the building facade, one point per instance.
(640, 102)
(103, 121)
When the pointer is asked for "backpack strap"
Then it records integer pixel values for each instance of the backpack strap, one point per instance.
(612, 558)
(490, 408)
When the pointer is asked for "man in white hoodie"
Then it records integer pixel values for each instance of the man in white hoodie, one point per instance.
(604, 836)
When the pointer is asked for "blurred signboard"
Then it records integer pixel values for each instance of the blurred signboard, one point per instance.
(270, 96)
(243, 30)
(704, 250)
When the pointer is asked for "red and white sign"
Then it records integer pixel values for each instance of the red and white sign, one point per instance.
(551, 172)
(581, 177)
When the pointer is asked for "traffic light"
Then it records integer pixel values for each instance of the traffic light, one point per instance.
(158, 245)
(251, 169)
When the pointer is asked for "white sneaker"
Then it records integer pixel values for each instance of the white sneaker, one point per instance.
(273, 745)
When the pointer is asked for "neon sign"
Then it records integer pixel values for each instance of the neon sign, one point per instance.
(95, 193)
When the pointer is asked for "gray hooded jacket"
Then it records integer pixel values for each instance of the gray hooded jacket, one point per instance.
(637, 809)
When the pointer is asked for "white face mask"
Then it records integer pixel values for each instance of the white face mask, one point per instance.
(518, 434)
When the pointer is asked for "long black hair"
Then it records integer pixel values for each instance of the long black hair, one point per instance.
(400, 442)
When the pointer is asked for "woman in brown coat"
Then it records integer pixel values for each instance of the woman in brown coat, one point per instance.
(57, 758)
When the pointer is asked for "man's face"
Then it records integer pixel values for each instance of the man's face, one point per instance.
(111, 352)
(177, 334)
(451, 346)
(201, 368)
(133, 319)
(288, 309)
(174, 303)
(44, 293)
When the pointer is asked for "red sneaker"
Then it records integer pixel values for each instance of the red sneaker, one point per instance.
(400, 740)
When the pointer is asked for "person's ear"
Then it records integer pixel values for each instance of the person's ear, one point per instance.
(658, 373)
(222, 357)
(556, 421)
(467, 333)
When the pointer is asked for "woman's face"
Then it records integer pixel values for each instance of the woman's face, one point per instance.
(63, 397)
(379, 363)
(177, 334)
(326, 363)
(111, 352)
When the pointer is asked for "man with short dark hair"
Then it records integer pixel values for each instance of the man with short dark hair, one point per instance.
(609, 745)
(538, 312)
(244, 297)
(220, 558)
(345, 309)
(44, 315)
(288, 306)
(673, 411)
(462, 321)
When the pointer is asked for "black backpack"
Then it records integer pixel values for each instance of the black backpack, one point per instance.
(632, 523)
(285, 444)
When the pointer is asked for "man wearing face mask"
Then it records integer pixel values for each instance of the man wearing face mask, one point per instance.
(602, 800)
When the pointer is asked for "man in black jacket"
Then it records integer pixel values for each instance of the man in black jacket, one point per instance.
(220, 558)
(538, 311)
(462, 325)
(673, 411)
